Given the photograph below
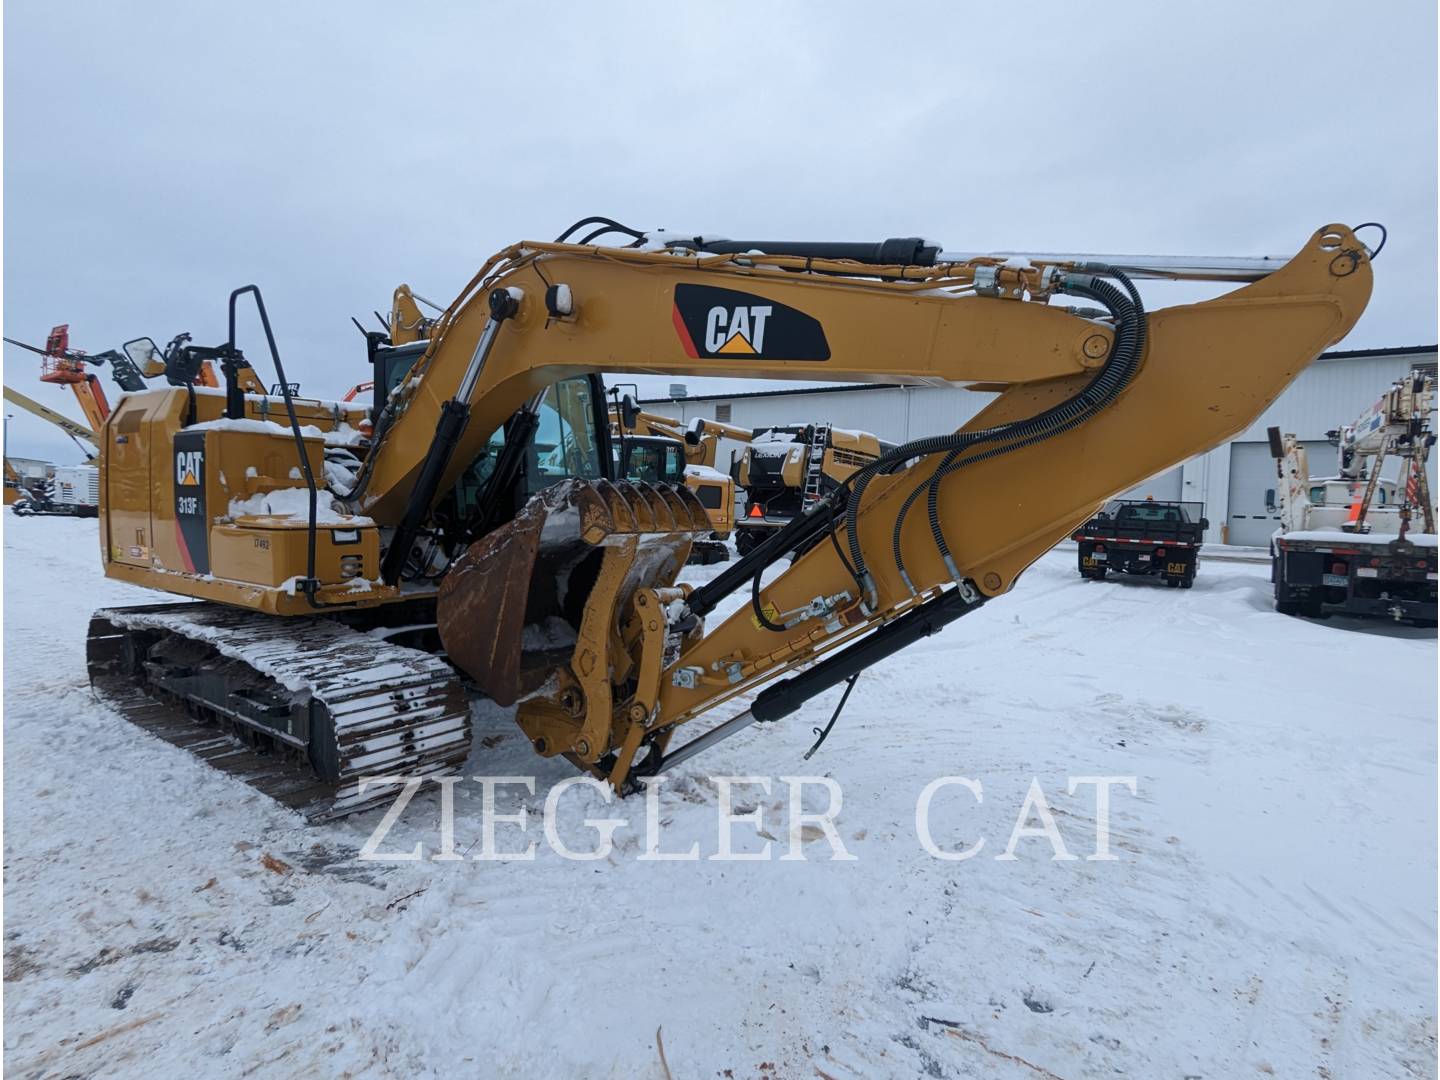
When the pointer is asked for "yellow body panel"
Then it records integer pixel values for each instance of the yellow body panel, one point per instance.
(722, 515)
(267, 551)
(215, 548)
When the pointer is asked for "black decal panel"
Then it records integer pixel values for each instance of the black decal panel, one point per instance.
(192, 527)
(715, 323)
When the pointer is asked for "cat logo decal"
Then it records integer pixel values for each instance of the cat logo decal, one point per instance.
(713, 323)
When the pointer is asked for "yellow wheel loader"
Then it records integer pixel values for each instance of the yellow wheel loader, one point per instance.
(349, 578)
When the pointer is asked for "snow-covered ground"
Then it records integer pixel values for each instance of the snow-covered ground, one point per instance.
(1271, 912)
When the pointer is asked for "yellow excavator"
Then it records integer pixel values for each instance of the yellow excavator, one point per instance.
(355, 589)
(786, 469)
(650, 447)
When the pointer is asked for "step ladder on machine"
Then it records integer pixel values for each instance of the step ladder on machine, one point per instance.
(815, 465)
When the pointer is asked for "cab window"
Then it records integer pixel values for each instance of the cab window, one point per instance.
(647, 463)
(564, 443)
(564, 446)
(674, 464)
(653, 461)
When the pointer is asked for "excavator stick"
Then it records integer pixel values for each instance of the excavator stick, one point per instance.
(511, 607)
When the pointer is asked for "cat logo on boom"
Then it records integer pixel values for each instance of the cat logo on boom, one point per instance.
(737, 332)
(713, 323)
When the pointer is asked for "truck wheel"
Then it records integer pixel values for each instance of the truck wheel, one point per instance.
(1285, 604)
(1309, 609)
(1186, 582)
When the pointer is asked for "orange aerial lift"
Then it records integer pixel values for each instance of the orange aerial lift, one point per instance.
(65, 366)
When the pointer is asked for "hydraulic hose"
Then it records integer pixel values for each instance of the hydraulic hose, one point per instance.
(1112, 378)
(1117, 371)
(1129, 347)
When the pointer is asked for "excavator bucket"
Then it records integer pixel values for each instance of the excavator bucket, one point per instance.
(511, 607)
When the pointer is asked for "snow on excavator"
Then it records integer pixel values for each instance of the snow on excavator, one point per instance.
(355, 588)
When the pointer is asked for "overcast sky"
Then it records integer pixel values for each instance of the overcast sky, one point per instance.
(159, 154)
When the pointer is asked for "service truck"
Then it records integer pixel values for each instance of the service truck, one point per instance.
(1356, 543)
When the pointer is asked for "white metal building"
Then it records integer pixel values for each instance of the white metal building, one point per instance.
(1235, 481)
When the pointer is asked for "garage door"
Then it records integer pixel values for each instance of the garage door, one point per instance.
(1164, 486)
(1253, 484)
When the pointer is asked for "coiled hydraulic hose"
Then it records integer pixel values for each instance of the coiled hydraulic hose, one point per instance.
(1116, 373)
(844, 502)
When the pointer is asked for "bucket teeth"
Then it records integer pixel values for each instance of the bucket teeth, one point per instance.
(608, 508)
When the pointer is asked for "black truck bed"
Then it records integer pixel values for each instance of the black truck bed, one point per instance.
(1143, 537)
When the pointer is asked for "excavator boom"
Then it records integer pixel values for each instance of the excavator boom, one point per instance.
(701, 437)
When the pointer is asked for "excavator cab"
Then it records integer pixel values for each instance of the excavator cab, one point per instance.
(390, 364)
(579, 528)
(652, 459)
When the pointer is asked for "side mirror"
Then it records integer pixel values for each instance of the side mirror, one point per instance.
(1270, 499)
(629, 411)
(1204, 524)
(145, 356)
